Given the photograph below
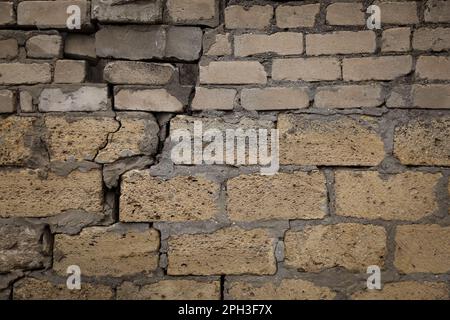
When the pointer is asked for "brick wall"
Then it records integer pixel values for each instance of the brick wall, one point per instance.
(87, 179)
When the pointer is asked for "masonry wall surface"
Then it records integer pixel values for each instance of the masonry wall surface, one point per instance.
(87, 179)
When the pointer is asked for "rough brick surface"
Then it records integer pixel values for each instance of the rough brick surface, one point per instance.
(230, 251)
(254, 17)
(36, 289)
(9, 48)
(7, 101)
(23, 247)
(25, 73)
(299, 195)
(16, 146)
(349, 245)
(296, 16)
(437, 39)
(178, 199)
(233, 72)
(171, 290)
(406, 290)
(50, 14)
(128, 72)
(274, 98)
(27, 194)
(366, 194)
(7, 13)
(340, 42)
(350, 96)
(287, 289)
(204, 12)
(282, 43)
(380, 68)
(158, 100)
(396, 40)
(345, 14)
(74, 98)
(307, 140)
(309, 69)
(115, 251)
(142, 12)
(422, 248)
(214, 99)
(423, 142)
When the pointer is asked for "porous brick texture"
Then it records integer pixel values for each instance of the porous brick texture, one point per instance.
(92, 119)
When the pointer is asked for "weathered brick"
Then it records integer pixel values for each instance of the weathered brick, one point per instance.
(44, 46)
(345, 14)
(437, 11)
(157, 100)
(286, 289)
(341, 42)
(16, 142)
(183, 43)
(214, 99)
(26, 101)
(131, 72)
(338, 140)
(138, 135)
(396, 40)
(276, 98)
(422, 248)
(423, 142)
(434, 68)
(433, 96)
(50, 14)
(287, 196)
(132, 43)
(348, 245)
(80, 46)
(25, 73)
(101, 139)
(201, 12)
(254, 17)
(170, 290)
(9, 48)
(115, 251)
(39, 289)
(25, 193)
(429, 96)
(177, 199)
(349, 96)
(398, 12)
(297, 16)
(309, 69)
(77, 138)
(70, 98)
(408, 196)
(233, 72)
(187, 123)
(7, 16)
(406, 290)
(436, 39)
(217, 44)
(7, 101)
(70, 71)
(127, 12)
(282, 43)
(226, 251)
(23, 247)
(376, 68)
